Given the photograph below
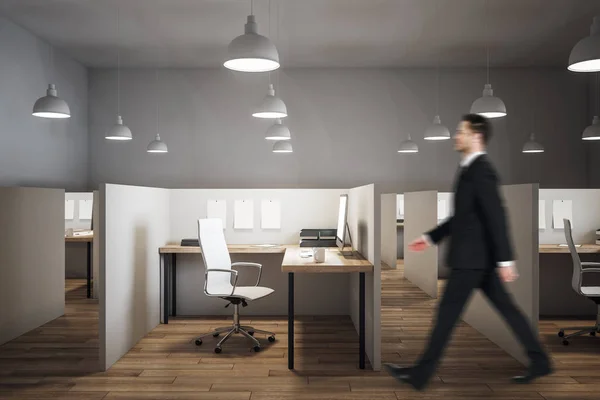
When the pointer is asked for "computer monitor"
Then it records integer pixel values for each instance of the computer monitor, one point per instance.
(342, 236)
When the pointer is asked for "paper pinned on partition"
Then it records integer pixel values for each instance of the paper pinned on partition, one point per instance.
(85, 209)
(561, 209)
(399, 206)
(442, 209)
(217, 209)
(270, 215)
(542, 214)
(69, 209)
(243, 214)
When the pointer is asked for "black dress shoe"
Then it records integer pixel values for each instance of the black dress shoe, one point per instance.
(533, 374)
(403, 374)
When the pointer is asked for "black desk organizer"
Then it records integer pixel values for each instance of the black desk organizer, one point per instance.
(317, 237)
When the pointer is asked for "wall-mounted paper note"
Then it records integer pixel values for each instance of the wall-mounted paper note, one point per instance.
(542, 214)
(270, 215)
(69, 209)
(561, 209)
(217, 209)
(85, 209)
(399, 206)
(442, 209)
(243, 214)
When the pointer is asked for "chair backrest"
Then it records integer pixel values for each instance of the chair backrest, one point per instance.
(215, 255)
(576, 279)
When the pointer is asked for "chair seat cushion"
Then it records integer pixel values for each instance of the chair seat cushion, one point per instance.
(591, 290)
(250, 292)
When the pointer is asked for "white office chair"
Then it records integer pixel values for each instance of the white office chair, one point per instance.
(217, 282)
(591, 292)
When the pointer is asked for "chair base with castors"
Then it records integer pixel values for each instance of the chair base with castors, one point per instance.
(581, 330)
(236, 328)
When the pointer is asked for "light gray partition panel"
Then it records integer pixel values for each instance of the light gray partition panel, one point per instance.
(389, 232)
(586, 215)
(364, 220)
(318, 294)
(443, 269)
(76, 253)
(32, 266)
(96, 245)
(134, 223)
(420, 215)
(521, 202)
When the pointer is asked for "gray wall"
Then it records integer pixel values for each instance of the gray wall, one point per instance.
(36, 151)
(346, 127)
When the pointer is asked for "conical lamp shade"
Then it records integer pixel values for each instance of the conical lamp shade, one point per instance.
(532, 146)
(157, 146)
(278, 131)
(50, 106)
(408, 146)
(488, 105)
(271, 106)
(282, 147)
(437, 131)
(119, 131)
(585, 55)
(252, 52)
(592, 132)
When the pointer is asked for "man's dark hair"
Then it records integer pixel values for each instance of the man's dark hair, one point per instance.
(479, 124)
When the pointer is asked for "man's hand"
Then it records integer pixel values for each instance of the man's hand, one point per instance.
(419, 244)
(508, 274)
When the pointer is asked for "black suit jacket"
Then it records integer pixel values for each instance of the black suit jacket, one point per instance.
(478, 231)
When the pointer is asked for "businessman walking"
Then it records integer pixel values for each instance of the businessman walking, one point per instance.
(479, 255)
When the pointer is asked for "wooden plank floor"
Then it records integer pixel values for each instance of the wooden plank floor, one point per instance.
(59, 359)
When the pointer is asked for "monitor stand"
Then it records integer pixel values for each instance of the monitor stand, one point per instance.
(351, 252)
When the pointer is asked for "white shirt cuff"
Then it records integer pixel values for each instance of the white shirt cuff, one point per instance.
(427, 240)
(505, 263)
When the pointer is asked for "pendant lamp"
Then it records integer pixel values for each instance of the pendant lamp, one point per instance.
(532, 146)
(592, 132)
(271, 106)
(51, 106)
(252, 52)
(408, 146)
(157, 145)
(278, 131)
(282, 146)
(585, 55)
(118, 131)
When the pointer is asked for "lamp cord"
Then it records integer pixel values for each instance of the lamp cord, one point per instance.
(118, 64)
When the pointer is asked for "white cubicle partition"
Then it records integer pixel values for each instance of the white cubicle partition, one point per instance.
(364, 220)
(521, 202)
(133, 224)
(389, 230)
(444, 211)
(32, 266)
(420, 215)
(96, 245)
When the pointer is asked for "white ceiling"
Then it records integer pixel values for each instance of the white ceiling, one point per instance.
(312, 33)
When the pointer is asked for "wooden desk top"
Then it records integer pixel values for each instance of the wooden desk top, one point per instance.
(79, 239)
(334, 262)
(233, 249)
(554, 248)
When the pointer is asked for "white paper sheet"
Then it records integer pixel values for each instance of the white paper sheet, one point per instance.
(85, 209)
(399, 206)
(561, 209)
(217, 209)
(442, 209)
(243, 214)
(69, 209)
(270, 215)
(542, 214)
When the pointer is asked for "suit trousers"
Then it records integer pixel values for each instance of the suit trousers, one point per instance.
(460, 285)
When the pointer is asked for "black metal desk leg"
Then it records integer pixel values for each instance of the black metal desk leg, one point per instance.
(89, 270)
(361, 305)
(291, 320)
(174, 283)
(165, 289)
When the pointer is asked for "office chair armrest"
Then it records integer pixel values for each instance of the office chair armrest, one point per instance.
(230, 271)
(250, 264)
